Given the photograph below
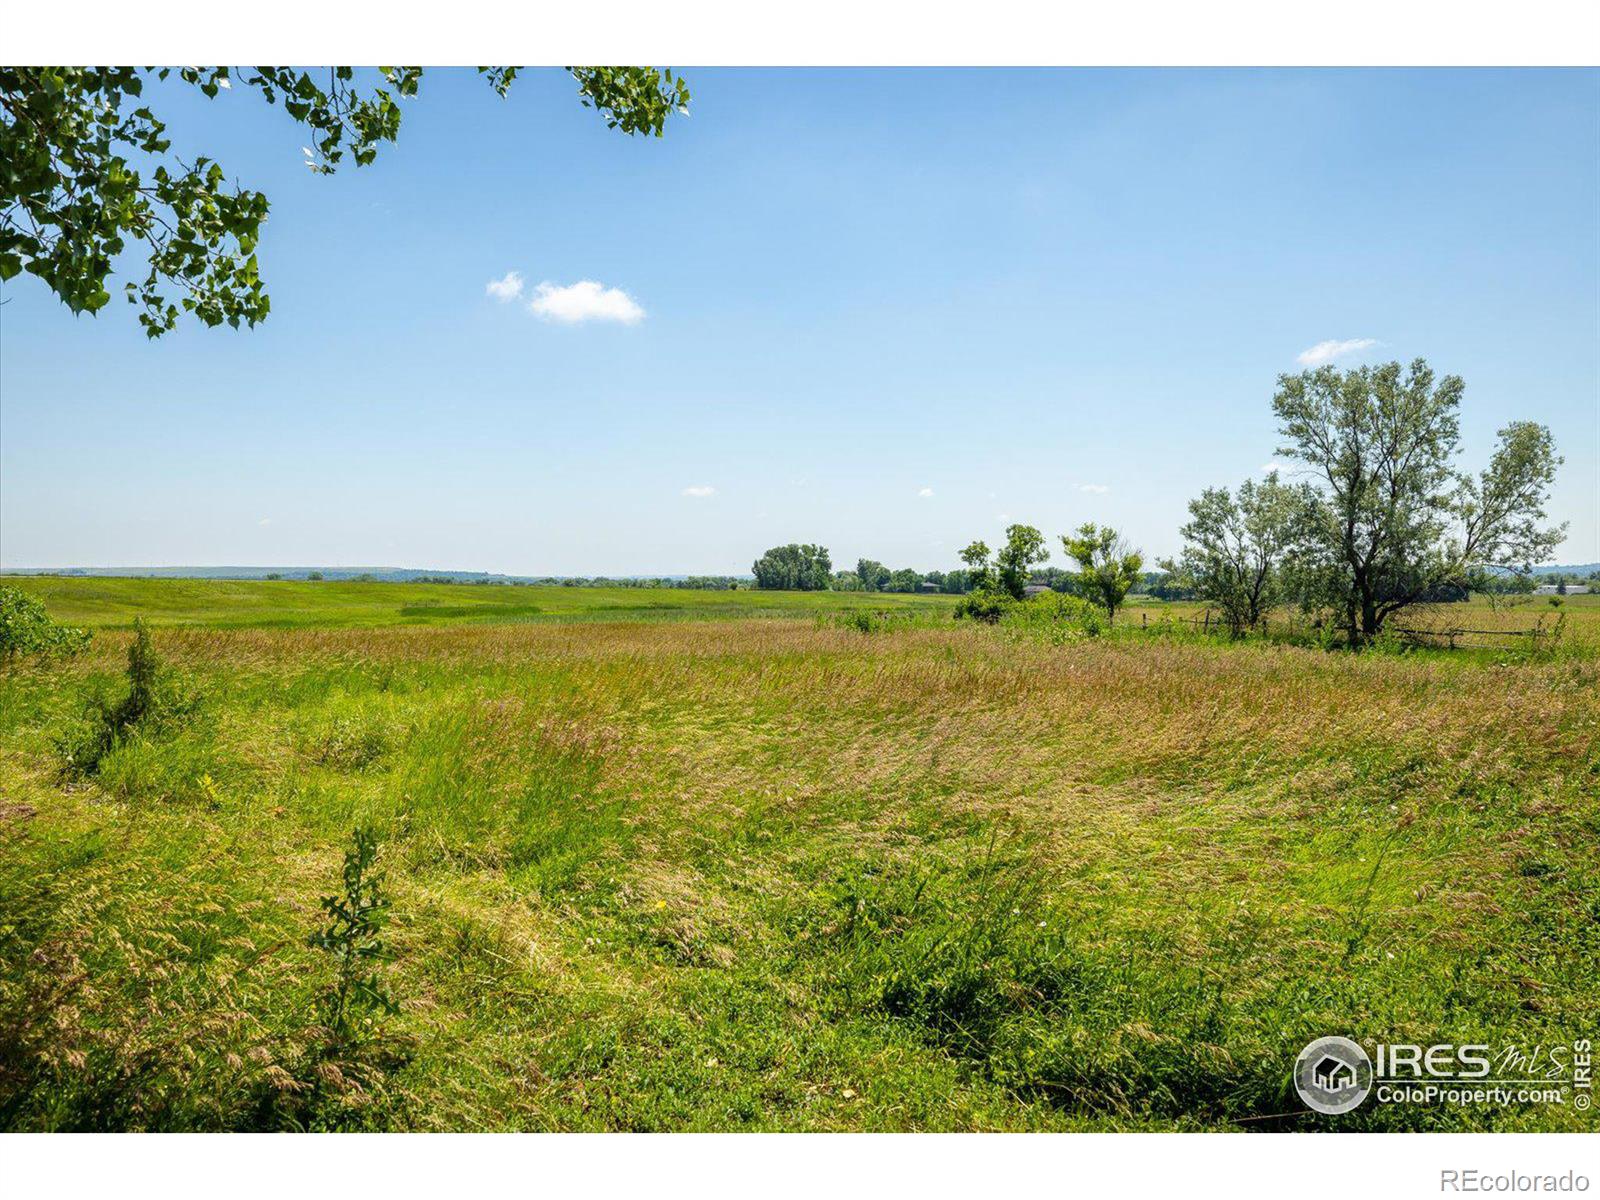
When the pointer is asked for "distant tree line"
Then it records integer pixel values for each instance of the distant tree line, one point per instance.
(1108, 569)
(1385, 521)
(700, 583)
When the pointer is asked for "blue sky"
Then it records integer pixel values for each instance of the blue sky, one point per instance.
(887, 311)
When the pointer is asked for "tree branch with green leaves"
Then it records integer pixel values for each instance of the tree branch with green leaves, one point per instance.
(88, 173)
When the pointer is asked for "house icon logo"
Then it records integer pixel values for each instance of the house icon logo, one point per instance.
(1333, 1075)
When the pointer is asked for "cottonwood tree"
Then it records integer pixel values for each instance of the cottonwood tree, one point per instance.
(87, 171)
(1007, 574)
(1108, 565)
(874, 576)
(1235, 545)
(980, 572)
(905, 580)
(1394, 521)
(794, 568)
(1014, 563)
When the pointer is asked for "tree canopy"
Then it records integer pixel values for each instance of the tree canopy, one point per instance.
(1015, 561)
(794, 568)
(1394, 522)
(1110, 567)
(1235, 545)
(872, 575)
(88, 170)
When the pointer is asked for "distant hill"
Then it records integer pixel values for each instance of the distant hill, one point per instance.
(1572, 569)
(381, 574)
(385, 574)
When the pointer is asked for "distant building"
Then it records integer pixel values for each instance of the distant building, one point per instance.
(1554, 589)
(1035, 589)
(929, 586)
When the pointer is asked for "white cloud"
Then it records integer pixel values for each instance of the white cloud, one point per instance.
(1094, 489)
(925, 492)
(1326, 352)
(264, 521)
(505, 290)
(700, 491)
(1269, 468)
(585, 300)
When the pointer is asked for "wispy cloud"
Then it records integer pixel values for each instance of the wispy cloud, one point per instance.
(264, 521)
(925, 493)
(1326, 352)
(1094, 489)
(1274, 465)
(700, 491)
(585, 300)
(506, 289)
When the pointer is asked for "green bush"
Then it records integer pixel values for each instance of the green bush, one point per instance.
(153, 702)
(26, 629)
(1056, 617)
(345, 1076)
(986, 604)
(353, 938)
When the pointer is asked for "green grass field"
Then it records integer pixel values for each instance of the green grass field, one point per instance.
(229, 604)
(755, 871)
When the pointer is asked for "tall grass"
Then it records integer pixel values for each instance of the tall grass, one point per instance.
(772, 873)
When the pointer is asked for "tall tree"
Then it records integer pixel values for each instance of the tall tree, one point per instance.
(980, 572)
(904, 580)
(794, 568)
(87, 169)
(1395, 521)
(1235, 545)
(1108, 566)
(1024, 547)
(874, 575)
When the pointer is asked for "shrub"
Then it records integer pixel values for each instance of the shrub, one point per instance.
(343, 1080)
(1056, 617)
(986, 604)
(26, 629)
(153, 702)
(354, 937)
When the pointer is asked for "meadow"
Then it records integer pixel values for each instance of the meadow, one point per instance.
(713, 861)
